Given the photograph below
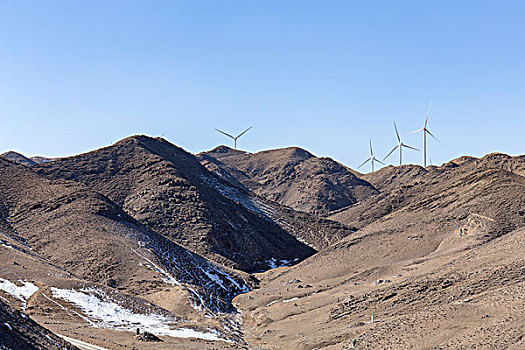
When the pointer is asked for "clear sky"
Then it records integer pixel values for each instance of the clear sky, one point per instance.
(322, 75)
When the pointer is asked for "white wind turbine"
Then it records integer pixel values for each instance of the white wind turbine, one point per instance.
(372, 158)
(425, 131)
(234, 138)
(400, 145)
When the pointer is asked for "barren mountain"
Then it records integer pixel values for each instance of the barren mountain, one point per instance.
(169, 191)
(90, 237)
(408, 268)
(457, 189)
(63, 245)
(290, 176)
(98, 245)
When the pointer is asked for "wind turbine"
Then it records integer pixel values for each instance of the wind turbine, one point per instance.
(372, 158)
(234, 137)
(425, 131)
(400, 145)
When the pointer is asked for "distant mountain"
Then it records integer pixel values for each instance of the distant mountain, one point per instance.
(449, 192)
(169, 191)
(290, 176)
(21, 159)
(18, 158)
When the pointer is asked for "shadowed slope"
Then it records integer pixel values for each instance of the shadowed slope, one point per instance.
(19, 332)
(167, 189)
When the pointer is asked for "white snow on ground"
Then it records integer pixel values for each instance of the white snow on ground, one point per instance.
(4, 244)
(289, 300)
(20, 292)
(213, 275)
(274, 263)
(272, 302)
(300, 239)
(114, 316)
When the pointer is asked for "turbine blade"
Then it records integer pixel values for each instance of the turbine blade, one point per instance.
(397, 134)
(435, 138)
(366, 161)
(377, 160)
(225, 133)
(389, 153)
(244, 132)
(428, 113)
(407, 146)
(413, 132)
(371, 152)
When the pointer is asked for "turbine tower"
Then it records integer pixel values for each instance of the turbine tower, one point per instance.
(425, 131)
(400, 145)
(234, 138)
(372, 158)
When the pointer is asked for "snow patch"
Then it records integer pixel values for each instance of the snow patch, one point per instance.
(20, 292)
(289, 300)
(111, 315)
(274, 263)
(272, 302)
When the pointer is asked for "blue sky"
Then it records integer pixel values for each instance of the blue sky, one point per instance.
(322, 75)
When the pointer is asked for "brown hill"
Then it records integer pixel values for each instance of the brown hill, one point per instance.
(91, 238)
(291, 177)
(441, 194)
(169, 191)
(409, 268)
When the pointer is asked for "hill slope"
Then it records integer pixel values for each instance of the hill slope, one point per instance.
(169, 191)
(92, 239)
(291, 177)
(408, 268)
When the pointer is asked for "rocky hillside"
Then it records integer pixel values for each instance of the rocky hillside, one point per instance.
(291, 177)
(90, 237)
(17, 331)
(408, 267)
(169, 191)
(457, 193)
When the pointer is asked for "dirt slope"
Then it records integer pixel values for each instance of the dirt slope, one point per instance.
(426, 286)
(291, 177)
